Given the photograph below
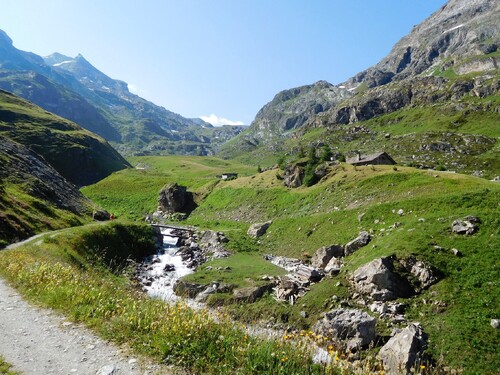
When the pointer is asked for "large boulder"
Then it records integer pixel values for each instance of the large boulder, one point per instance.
(294, 175)
(469, 225)
(404, 351)
(101, 215)
(379, 280)
(353, 327)
(258, 229)
(362, 240)
(175, 198)
(324, 254)
(252, 293)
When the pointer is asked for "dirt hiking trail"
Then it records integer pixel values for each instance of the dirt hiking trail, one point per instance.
(38, 341)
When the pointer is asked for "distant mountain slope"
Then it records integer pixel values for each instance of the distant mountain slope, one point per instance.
(80, 156)
(76, 90)
(463, 36)
(432, 102)
(287, 112)
(43, 158)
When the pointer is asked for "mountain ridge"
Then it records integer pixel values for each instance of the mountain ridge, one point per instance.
(450, 60)
(73, 88)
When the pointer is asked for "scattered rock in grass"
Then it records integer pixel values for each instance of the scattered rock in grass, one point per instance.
(456, 252)
(258, 229)
(468, 225)
(334, 265)
(215, 287)
(353, 327)
(306, 273)
(404, 351)
(324, 254)
(101, 215)
(363, 239)
(424, 273)
(495, 323)
(287, 290)
(401, 212)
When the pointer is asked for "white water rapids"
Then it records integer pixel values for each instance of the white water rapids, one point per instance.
(164, 279)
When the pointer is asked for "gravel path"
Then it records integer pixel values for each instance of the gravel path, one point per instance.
(38, 341)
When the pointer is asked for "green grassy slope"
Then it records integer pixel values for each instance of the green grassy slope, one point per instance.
(368, 198)
(79, 155)
(40, 155)
(134, 192)
(455, 312)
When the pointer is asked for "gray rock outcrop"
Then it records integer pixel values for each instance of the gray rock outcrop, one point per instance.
(353, 327)
(334, 265)
(175, 198)
(294, 175)
(212, 244)
(324, 254)
(468, 225)
(424, 273)
(379, 280)
(185, 289)
(258, 229)
(363, 239)
(404, 350)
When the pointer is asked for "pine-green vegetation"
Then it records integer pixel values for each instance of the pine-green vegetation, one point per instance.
(455, 312)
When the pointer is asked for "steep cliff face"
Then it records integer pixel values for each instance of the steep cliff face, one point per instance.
(286, 113)
(290, 109)
(417, 92)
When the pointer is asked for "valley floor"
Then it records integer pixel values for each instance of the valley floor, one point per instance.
(38, 341)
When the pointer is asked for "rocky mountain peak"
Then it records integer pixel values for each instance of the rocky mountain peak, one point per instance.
(460, 29)
(56, 58)
(290, 109)
(4, 38)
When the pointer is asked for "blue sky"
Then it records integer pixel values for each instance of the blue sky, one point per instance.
(227, 58)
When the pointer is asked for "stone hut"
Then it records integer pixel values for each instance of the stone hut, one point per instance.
(379, 158)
